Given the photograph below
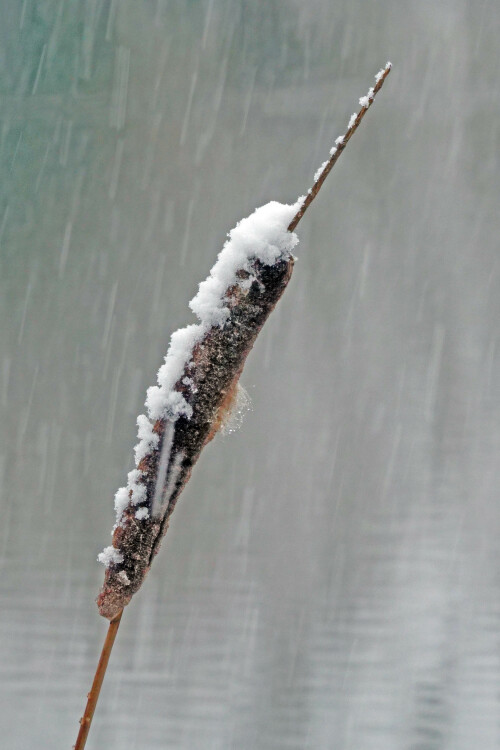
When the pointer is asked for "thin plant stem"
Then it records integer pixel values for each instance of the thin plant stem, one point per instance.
(93, 696)
(312, 193)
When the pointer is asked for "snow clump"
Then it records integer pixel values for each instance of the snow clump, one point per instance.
(110, 555)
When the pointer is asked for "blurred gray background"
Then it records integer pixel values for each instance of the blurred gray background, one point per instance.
(331, 577)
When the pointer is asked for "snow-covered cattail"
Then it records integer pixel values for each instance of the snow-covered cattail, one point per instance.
(195, 386)
(199, 377)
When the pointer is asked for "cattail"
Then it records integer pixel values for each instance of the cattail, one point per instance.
(197, 385)
(198, 379)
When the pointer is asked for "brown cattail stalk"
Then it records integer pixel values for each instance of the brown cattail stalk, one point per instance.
(93, 696)
(197, 383)
(340, 145)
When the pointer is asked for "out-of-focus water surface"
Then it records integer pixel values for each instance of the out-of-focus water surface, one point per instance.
(331, 577)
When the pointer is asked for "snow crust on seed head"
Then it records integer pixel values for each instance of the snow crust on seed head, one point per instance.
(262, 236)
(147, 438)
(110, 555)
(121, 501)
(162, 400)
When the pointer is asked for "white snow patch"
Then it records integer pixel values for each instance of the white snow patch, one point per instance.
(124, 578)
(261, 236)
(319, 171)
(365, 101)
(121, 501)
(134, 492)
(162, 400)
(138, 490)
(148, 440)
(189, 382)
(352, 120)
(110, 555)
(142, 513)
(333, 150)
(381, 72)
(339, 140)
